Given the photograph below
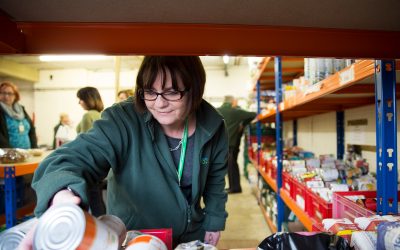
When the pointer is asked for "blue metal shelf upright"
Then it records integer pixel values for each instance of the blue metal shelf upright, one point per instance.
(386, 136)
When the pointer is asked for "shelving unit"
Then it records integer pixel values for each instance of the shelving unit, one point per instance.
(9, 172)
(351, 87)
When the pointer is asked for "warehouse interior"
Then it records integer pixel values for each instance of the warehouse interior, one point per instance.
(126, 30)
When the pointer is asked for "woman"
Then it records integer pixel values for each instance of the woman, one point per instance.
(167, 150)
(90, 100)
(16, 127)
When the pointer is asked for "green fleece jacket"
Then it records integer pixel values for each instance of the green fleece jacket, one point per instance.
(143, 187)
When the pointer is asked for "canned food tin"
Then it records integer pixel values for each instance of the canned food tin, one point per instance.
(146, 242)
(11, 238)
(116, 224)
(67, 226)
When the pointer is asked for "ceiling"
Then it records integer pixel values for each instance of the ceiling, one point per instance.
(342, 14)
(131, 28)
(314, 28)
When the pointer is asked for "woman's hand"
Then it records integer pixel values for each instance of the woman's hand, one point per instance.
(63, 196)
(212, 238)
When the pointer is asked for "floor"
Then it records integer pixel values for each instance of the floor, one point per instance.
(246, 226)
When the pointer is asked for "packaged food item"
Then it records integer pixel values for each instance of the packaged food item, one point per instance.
(67, 227)
(146, 242)
(369, 223)
(13, 155)
(341, 227)
(364, 240)
(195, 245)
(115, 224)
(11, 238)
(388, 236)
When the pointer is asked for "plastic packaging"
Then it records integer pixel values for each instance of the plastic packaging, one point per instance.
(298, 241)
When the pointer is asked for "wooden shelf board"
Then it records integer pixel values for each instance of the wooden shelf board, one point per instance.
(300, 213)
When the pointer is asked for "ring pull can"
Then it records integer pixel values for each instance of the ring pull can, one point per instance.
(146, 242)
(11, 238)
(67, 227)
(116, 224)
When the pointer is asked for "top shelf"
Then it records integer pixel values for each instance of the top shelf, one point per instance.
(349, 88)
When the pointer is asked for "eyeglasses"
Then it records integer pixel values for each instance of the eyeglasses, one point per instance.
(7, 94)
(170, 95)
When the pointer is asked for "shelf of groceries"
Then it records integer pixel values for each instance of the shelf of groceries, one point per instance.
(16, 163)
(324, 193)
(351, 86)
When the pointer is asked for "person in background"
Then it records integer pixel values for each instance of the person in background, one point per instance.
(16, 127)
(64, 131)
(90, 100)
(165, 152)
(236, 119)
(125, 94)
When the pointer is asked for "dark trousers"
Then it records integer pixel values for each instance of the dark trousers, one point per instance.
(233, 170)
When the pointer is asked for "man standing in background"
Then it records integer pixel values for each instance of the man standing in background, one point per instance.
(235, 119)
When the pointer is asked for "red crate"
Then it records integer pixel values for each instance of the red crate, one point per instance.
(264, 139)
(165, 234)
(317, 207)
(287, 182)
(346, 208)
(299, 194)
(317, 227)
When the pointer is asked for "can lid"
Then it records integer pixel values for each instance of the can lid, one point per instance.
(11, 239)
(60, 227)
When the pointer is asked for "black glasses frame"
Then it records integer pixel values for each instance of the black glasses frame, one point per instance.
(181, 92)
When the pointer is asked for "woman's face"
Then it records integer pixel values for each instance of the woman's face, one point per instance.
(7, 95)
(168, 113)
(122, 97)
(83, 104)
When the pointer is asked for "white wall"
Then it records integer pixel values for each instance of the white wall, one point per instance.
(237, 83)
(56, 92)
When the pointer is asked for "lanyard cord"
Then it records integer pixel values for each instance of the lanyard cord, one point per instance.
(183, 152)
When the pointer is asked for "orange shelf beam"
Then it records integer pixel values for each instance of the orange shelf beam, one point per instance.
(340, 80)
(271, 182)
(261, 71)
(24, 168)
(271, 225)
(300, 213)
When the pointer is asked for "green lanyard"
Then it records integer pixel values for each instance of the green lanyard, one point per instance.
(183, 152)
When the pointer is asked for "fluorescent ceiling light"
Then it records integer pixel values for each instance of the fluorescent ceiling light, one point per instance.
(225, 59)
(71, 58)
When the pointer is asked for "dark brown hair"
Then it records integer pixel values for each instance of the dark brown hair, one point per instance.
(91, 97)
(14, 88)
(187, 68)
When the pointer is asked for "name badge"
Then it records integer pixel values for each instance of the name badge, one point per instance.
(21, 128)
